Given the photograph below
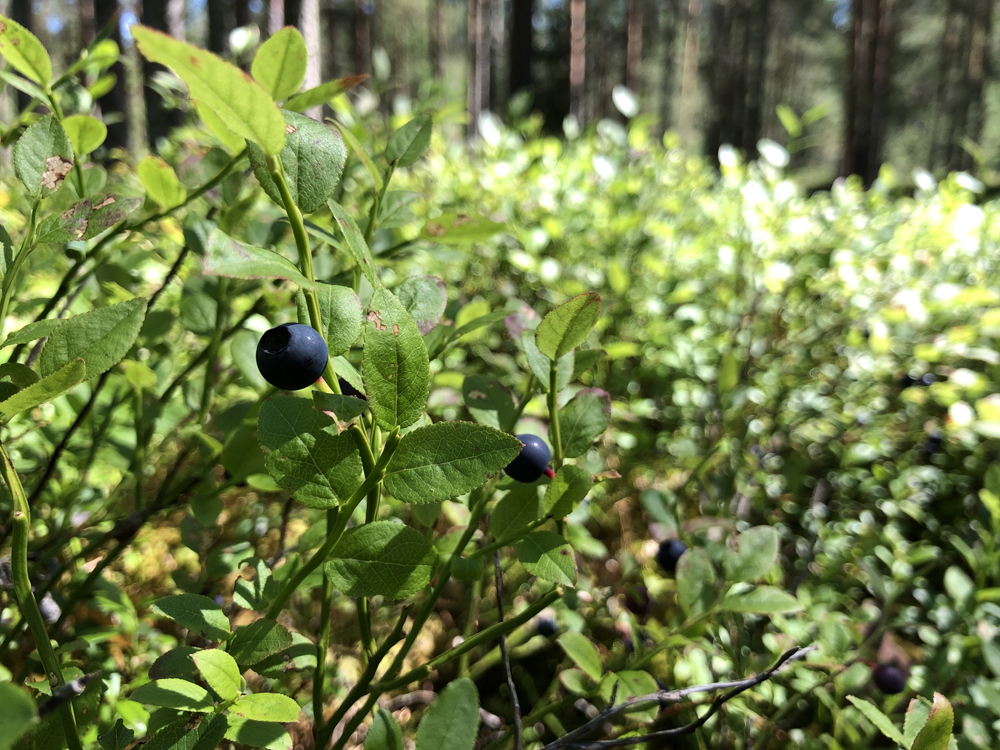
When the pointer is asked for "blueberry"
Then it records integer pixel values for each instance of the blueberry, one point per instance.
(889, 679)
(291, 356)
(532, 461)
(636, 599)
(546, 626)
(669, 553)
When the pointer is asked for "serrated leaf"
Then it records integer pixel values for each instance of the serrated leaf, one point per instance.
(763, 600)
(936, 733)
(695, 581)
(540, 365)
(548, 556)
(225, 256)
(48, 388)
(447, 459)
(452, 721)
(48, 734)
(425, 298)
(32, 332)
(751, 554)
(265, 734)
(174, 693)
(87, 218)
(383, 558)
(255, 594)
(179, 736)
(312, 159)
(583, 653)
(280, 63)
(239, 102)
(566, 327)
(42, 156)
(175, 663)
(384, 732)
(18, 715)
(323, 93)
(118, 737)
(24, 52)
(218, 128)
(395, 368)
(267, 707)
(396, 212)
(488, 401)
(583, 420)
(410, 142)
(85, 133)
(160, 181)
(219, 671)
(100, 337)
(882, 722)
(300, 656)
(197, 613)
(305, 453)
(253, 643)
(341, 313)
(519, 507)
(916, 719)
(355, 241)
(344, 408)
(567, 490)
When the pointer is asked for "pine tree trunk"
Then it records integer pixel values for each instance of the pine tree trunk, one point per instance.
(884, 37)
(521, 48)
(362, 39)
(175, 19)
(633, 47)
(435, 39)
(577, 56)
(310, 26)
(160, 120)
(689, 69)
(218, 26)
(668, 26)
(479, 67)
(21, 12)
(979, 71)
(293, 13)
(275, 16)
(948, 42)
(113, 102)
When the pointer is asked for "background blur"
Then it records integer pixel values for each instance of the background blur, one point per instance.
(845, 85)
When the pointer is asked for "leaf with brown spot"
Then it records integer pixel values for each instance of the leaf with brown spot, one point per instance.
(87, 218)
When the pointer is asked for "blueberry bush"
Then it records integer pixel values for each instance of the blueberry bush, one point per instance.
(556, 443)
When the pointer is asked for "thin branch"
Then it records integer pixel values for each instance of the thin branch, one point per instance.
(505, 655)
(666, 697)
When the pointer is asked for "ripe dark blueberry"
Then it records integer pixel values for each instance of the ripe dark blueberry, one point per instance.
(291, 356)
(349, 390)
(669, 553)
(889, 679)
(546, 626)
(532, 461)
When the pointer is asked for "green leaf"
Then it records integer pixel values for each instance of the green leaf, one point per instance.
(6, 252)
(566, 327)
(42, 156)
(243, 349)
(267, 707)
(447, 459)
(695, 581)
(175, 663)
(763, 600)
(384, 732)
(488, 401)
(101, 337)
(312, 159)
(751, 555)
(917, 715)
(631, 684)
(383, 558)
(548, 556)
(585, 360)
(410, 142)
(118, 737)
(160, 181)
(583, 420)
(240, 102)
(261, 639)
(220, 672)
(225, 256)
(197, 613)
(583, 653)
(567, 490)
(306, 454)
(425, 298)
(540, 364)
(346, 370)
(300, 656)
(359, 151)
(48, 388)
(452, 721)
(729, 373)
(32, 332)
(18, 714)
(936, 733)
(323, 93)
(959, 586)
(22, 84)
(266, 734)
(396, 211)
(519, 507)
(395, 368)
(882, 722)
(255, 594)
(24, 52)
(47, 734)
(460, 229)
(344, 408)
(341, 313)
(280, 63)
(87, 218)
(355, 241)
(178, 736)
(174, 693)
(217, 127)
(85, 133)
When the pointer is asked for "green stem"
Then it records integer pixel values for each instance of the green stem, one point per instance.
(377, 205)
(557, 447)
(507, 540)
(77, 168)
(140, 446)
(475, 599)
(26, 598)
(221, 310)
(10, 278)
(322, 645)
(365, 626)
(334, 534)
(529, 393)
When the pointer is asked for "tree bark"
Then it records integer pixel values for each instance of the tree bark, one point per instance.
(218, 26)
(668, 33)
(979, 71)
(689, 70)
(521, 46)
(479, 64)
(577, 56)
(275, 16)
(435, 40)
(310, 27)
(113, 104)
(293, 13)
(633, 47)
(362, 39)
(175, 19)
(160, 120)
(20, 11)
